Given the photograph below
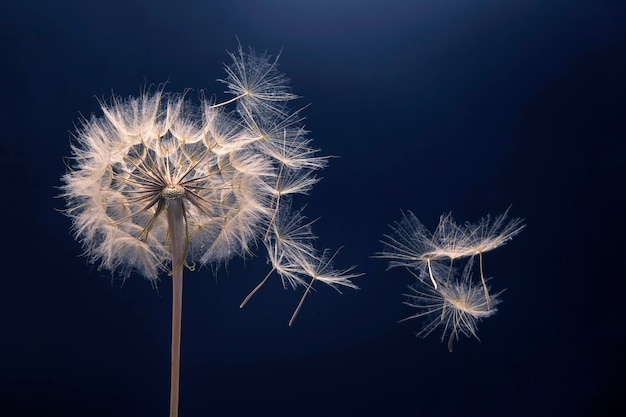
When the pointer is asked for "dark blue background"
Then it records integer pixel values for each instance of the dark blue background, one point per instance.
(431, 106)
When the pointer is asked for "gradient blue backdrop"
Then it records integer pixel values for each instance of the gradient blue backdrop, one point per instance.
(430, 106)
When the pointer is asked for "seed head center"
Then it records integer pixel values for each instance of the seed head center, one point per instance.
(173, 192)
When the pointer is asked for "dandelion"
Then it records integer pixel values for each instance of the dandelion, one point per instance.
(320, 268)
(487, 235)
(451, 240)
(292, 236)
(458, 302)
(412, 246)
(456, 307)
(257, 83)
(158, 184)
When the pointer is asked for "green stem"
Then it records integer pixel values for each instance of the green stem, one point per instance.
(176, 226)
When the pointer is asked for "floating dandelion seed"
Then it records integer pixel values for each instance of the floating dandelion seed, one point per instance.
(487, 235)
(456, 306)
(158, 184)
(412, 246)
(429, 257)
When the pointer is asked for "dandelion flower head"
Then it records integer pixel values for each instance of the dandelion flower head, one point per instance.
(230, 168)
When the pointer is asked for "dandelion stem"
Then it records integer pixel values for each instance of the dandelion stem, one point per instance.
(175, 220)
(452, 334)
(295, 313)
(267, 233)
(430, 272)
(482, 278)
(443, 308)
(256, 288)
(280, 173)
(228, 101)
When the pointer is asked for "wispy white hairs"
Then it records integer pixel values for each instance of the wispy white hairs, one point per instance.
(158, 183)
(452, 302)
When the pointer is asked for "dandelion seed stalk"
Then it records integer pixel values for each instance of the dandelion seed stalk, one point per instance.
(176, 228)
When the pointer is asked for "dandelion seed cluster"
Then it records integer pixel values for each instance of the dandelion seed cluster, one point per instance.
(230, 169)
(444, 294)
(158, 183)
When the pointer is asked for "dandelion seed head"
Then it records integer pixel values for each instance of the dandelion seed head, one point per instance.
(228, 173)
(145, 152)
(159, 184)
